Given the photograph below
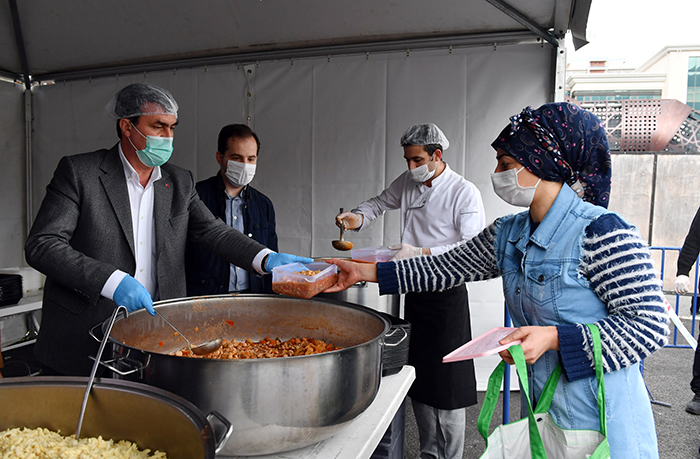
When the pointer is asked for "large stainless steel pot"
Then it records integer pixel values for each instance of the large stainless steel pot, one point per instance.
(118, 410)
(274, 405)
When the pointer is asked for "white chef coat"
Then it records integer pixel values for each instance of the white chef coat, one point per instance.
(447, 213)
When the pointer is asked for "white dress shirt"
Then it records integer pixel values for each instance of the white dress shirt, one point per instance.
(141, 204)
(447, 213)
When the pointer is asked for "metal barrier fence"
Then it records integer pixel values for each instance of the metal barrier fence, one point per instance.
(677, 298)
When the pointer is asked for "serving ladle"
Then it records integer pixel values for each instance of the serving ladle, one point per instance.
(342, 244)
(98, 358)
(201, 349)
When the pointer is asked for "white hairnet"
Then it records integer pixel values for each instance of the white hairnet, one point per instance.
(140, 99)
(424, 134)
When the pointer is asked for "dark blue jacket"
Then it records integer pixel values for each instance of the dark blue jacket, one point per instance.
(208, 274)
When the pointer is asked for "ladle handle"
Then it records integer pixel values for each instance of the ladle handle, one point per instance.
(342, 225)
(98, 357)
(173, 327)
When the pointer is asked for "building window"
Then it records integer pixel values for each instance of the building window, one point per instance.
(694, 82)
(590, 96)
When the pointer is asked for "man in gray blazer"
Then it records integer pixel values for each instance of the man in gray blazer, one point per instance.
(112, 228)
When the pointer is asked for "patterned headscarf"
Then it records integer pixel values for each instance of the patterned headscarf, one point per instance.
(561, 142)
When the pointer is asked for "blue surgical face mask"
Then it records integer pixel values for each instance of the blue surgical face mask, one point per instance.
(157, 152)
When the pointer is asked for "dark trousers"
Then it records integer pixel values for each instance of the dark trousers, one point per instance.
(695, 382)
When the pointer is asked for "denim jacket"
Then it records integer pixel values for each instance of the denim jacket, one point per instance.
(582, 264)
(543, 285)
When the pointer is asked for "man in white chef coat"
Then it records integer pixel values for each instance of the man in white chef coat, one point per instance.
(438, 208)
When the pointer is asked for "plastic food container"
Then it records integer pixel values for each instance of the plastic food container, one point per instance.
(373, 254)
(303, 281)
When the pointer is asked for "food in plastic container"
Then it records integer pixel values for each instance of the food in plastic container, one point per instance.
(303, 280)
(373, 254)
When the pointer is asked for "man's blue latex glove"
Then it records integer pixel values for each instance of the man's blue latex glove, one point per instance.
(132, 295)
(275, 259)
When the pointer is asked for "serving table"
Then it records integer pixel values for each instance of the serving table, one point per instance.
(360, 437)
(357, 440)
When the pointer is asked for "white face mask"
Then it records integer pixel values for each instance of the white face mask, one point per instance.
(506, 186)
(421, 173)
(239, 174)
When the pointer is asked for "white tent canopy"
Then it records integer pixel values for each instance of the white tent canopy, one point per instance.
(329, 86)
(82, 38)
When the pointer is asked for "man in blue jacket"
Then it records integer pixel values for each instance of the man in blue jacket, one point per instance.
(230, 197)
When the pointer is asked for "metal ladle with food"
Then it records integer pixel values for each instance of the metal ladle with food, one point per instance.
(201, 349)
(342, 244)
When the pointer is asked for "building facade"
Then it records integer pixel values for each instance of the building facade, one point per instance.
(652, 117)
(671, 73)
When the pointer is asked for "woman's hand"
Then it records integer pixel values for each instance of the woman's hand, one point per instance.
(351, 273)
(535, 342)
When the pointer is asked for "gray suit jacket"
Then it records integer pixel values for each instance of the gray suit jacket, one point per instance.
(83, 233)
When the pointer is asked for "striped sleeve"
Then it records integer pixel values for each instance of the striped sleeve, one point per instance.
(618, 266)
(473, 260)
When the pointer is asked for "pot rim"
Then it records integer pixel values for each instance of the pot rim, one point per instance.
(162, 303)
(108, 383)
(190, 411)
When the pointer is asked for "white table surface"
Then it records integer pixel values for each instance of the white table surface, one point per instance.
(360, 438)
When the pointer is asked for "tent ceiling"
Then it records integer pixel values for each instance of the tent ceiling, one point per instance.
(63, 36)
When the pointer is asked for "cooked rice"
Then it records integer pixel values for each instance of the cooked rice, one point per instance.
(46, 444)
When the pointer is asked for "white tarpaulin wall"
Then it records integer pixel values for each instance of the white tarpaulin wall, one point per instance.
(12, 176)
(329, 129)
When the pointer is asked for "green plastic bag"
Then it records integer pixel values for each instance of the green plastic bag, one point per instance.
(537, 436)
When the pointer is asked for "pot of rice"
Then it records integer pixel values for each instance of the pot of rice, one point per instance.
(123, 420)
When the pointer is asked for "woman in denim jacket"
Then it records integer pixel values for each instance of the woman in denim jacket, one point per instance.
(565, 262)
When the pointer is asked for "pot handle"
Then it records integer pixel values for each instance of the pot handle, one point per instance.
(392, 333)
(136, 366)
(222, 432)
(120, 315)
(92, 333)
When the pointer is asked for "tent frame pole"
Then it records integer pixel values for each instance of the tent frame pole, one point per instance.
(454, 41)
